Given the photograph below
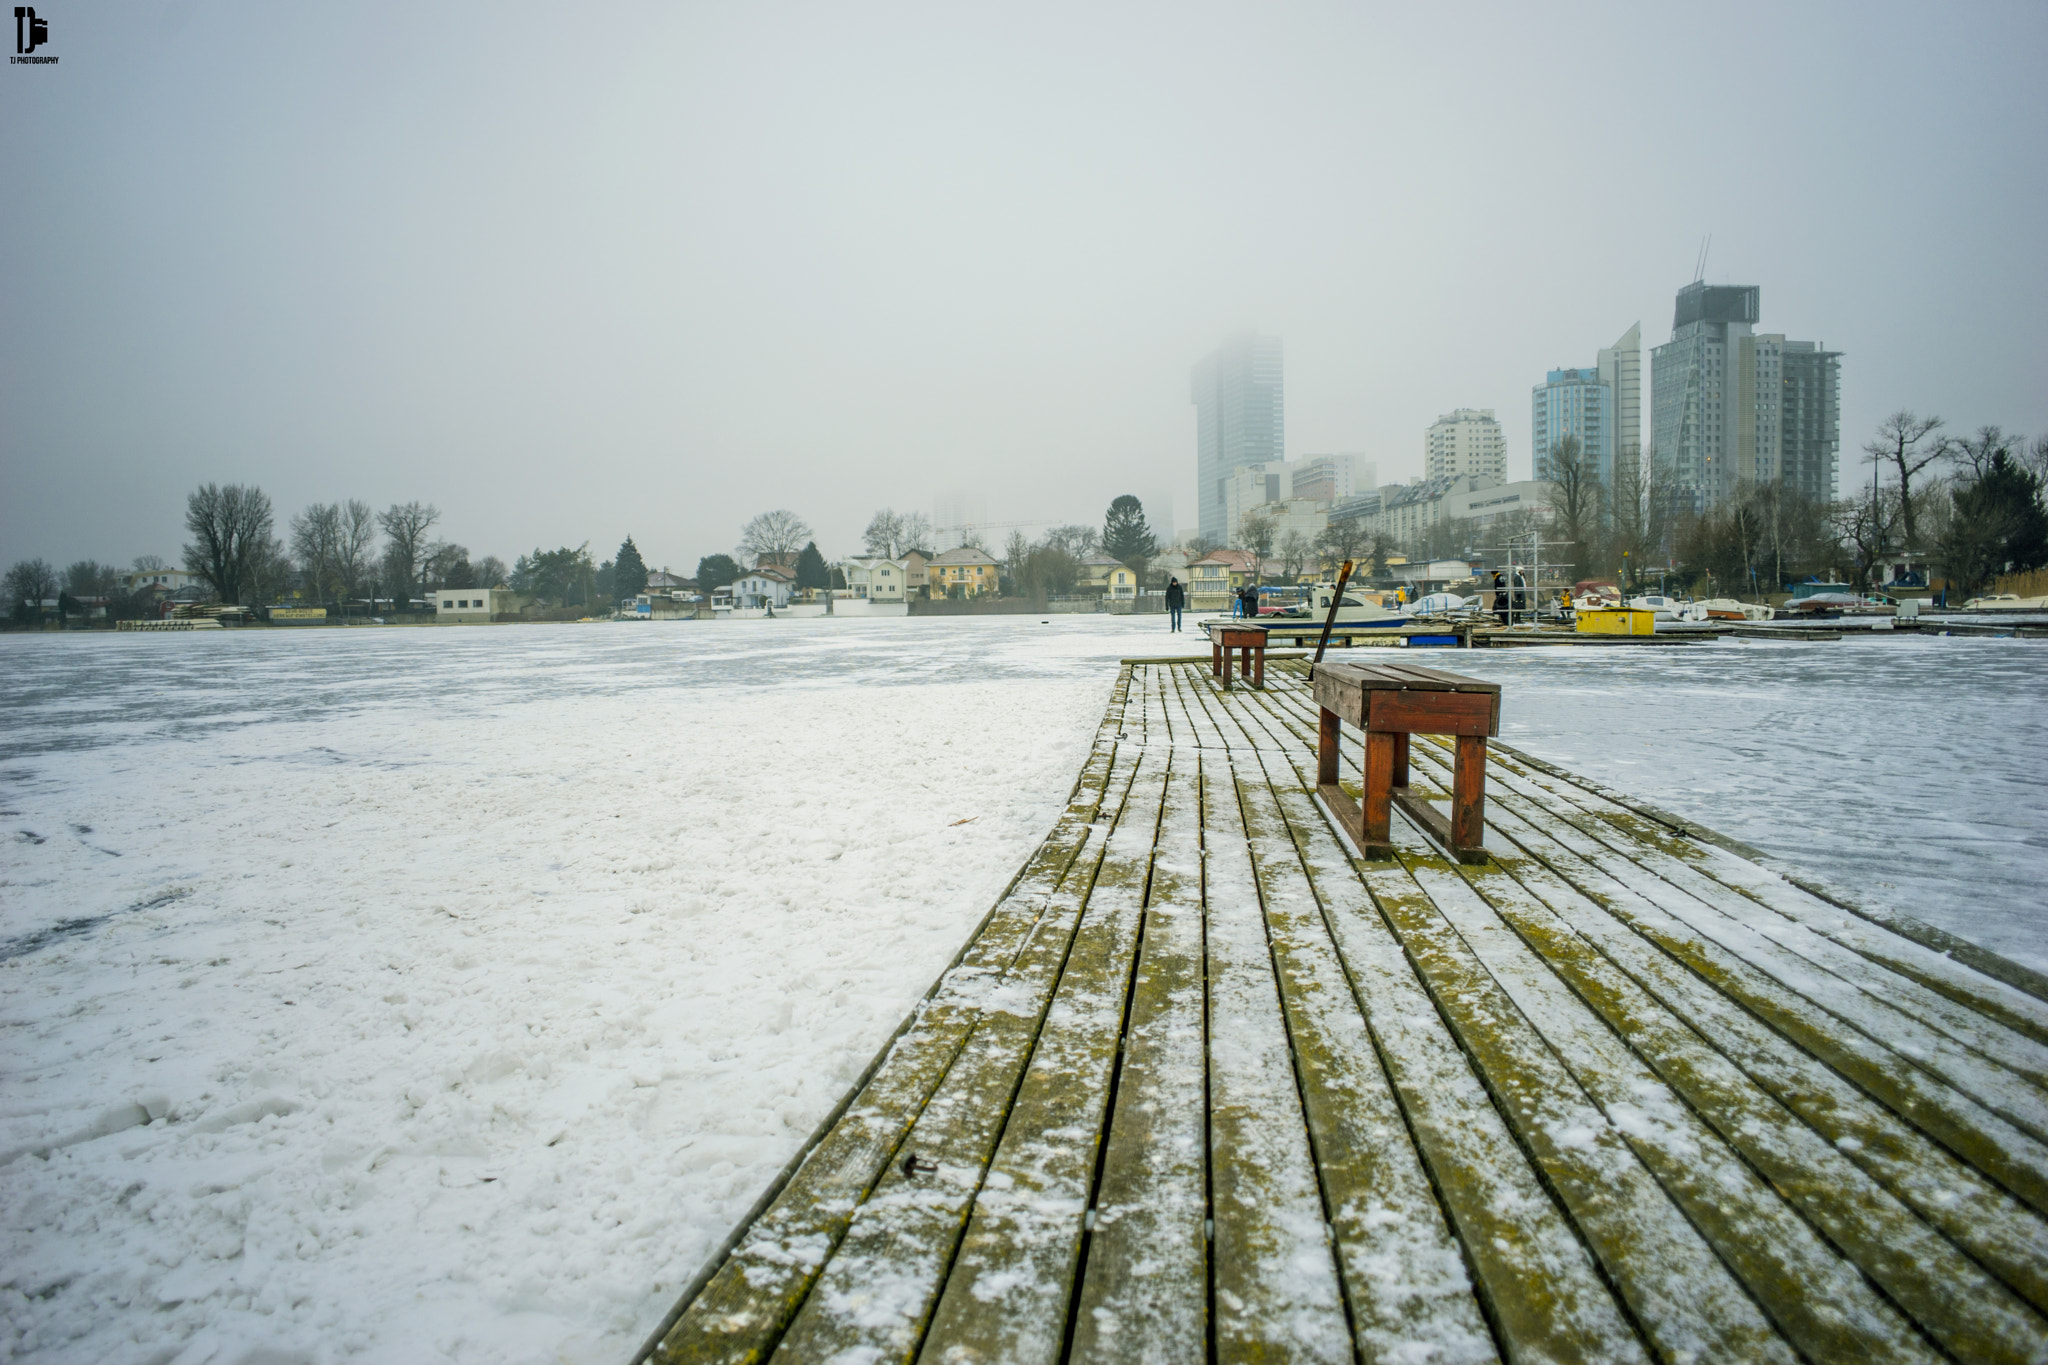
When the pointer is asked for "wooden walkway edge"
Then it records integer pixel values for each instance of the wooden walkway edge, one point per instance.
(1204, 1085)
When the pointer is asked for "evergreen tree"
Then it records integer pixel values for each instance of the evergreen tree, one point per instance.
(810, 568)
(715, 572)
(629, 571)
(1125, 536)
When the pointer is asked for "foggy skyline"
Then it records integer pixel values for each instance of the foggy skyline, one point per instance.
(570, 274)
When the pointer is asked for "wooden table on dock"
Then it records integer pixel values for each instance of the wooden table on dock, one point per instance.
(1249, 642)
(1389, 702)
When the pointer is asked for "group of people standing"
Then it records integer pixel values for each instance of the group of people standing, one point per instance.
(1245, 603)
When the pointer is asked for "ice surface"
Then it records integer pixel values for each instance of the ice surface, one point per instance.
(445, 995)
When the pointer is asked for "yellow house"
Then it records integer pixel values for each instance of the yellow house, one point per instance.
(1209, 583)
(1111, 578)
(964, 572)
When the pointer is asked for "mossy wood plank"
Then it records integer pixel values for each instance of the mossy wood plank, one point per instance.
(743, 1308)
(1962, 1306)
(1543, 1295)
(1819, 1300)
(1007, 1292)
(1277, 1295)
(1980, 1137)
(1961, 1024)
(1679, 1292)
(1979, 997)
(1970, 1073)
(876, 1293)
(1587, 944)
(1188, 682)
(1403, 1274)
(1145, 1285)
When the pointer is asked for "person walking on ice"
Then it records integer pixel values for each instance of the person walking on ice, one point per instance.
(1176, 598)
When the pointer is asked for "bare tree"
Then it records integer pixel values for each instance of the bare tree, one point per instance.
(1014, 551)
(1638, 514)
(316, 540)
(1575, 497)
(1342, 539)
(488, 572)
(2035, 458)
(355, 535)
(1294, 552)
(1078, 541)
(1909, 444)
(230, 529)
(917, 532)
(1978, 453)
(149, 564)
(1255, 534)
(1868, 526)
(884, 536)
(405, 547)
(90, 578)
(775, 538)
(30, 583)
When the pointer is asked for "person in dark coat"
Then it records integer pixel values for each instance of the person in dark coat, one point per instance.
(1176, 598)
(1500, 597)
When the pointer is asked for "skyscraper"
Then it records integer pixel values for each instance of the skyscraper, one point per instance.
(1575, 403)
(1730, 406)
(1621, 369)
(1240, 419)
(1466, 444)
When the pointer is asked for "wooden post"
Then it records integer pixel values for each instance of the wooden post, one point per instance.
(1261, 683)
(1326, 749)
(1215, 655)
(1226, 667)
(1401, 759)
(1375, 811)
(1468, 793)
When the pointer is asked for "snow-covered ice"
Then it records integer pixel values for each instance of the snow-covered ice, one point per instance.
(445, 995)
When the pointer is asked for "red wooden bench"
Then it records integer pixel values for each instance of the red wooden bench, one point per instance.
(1389, 702)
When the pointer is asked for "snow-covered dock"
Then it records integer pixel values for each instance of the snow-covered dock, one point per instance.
(1202, 1082)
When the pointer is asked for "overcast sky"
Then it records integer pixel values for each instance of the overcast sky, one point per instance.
(573, 271)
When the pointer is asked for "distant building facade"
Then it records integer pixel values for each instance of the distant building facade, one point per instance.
(965, 572)
(1240, 419)
(1278, 487)
(1621, 370)
(1574, 403)
(1465, 444)
(1730, 406)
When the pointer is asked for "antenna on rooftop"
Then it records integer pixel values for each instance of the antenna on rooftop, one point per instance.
(1699, 271)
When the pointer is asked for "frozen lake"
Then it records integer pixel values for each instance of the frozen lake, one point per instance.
(445, 995)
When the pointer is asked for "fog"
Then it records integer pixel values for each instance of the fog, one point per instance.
(571, 272)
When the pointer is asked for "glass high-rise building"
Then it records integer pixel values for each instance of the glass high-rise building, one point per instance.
(1240, 419)
(1732, 406)
(1579, 404)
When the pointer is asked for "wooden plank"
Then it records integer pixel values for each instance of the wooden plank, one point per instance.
(1145, 1284)
(745, 1305)
(877, 1290)
(1871, 1012)
(1951, 967)
(1963, 1307)
(1403, 1274)
(1276, 1290)
(1818, 1299)
(1431, 713)
(1007, 1291)
(1677, 1289)
(1986, 1141)
(1541, 1291)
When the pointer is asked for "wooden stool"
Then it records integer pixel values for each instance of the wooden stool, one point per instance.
(1390, 702)
(1251, 648)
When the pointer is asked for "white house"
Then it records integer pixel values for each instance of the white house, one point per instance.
(171, 580)
(456, 605)
(765, 587)
(874, 579)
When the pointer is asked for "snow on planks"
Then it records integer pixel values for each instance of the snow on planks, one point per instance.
(1204, 1085)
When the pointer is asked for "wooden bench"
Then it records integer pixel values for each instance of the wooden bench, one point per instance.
(1389, 702)
(1250, 643)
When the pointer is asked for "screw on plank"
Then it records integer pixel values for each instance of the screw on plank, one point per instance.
(915, 1166)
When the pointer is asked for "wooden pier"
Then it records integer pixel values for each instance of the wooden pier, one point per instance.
(1206, 1086)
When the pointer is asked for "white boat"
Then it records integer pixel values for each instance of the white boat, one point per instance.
(1728, 609)
(1439, 604)
(1662, 608)
(1354, 611)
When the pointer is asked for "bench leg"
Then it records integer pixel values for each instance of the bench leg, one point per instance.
(1401, 760)
(1259, 659)
(1326, 748)
(1226, 667)
(1468, 794)
(1215, 658)
(1374, 840)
